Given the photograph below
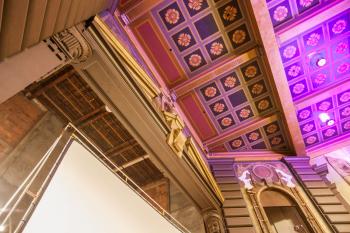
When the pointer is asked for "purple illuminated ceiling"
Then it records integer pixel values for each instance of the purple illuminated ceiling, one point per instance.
(284, 13)
(316, 62)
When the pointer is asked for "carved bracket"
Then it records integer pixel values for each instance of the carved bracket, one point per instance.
(176, 138)
(213, 222)
(72, 43)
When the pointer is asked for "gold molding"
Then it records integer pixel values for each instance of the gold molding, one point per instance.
(197, 159)
(145, 82)
(236, 132)
(192, 83)
(248, 156)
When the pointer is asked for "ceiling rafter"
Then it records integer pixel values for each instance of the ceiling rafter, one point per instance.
(69, 96)
(203, 78)
(125, 146)
(272, 54)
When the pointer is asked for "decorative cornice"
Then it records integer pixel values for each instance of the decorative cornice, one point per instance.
(140, 76)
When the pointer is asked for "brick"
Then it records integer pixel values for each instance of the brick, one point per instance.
(342, 228)
(330, 209)
(241, 230)
(219, 167)
(339, 218)
(327, 200)
(234, 203)
(226, 180)
(321, 192)
(235, 212)
(223, 173)
(229, 187)
(239, 222)
(232, 194)
(310, 178)
(315, 184)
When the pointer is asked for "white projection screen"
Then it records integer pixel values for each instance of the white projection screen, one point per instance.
(84, 196)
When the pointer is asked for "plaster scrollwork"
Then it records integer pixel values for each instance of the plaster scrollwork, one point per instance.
(73, 44)
(246, 180)
(176, 138)
(286, 177)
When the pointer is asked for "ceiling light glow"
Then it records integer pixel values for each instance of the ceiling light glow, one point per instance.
(324, 117)
(321, 62)
(2, 228)
(330, 122)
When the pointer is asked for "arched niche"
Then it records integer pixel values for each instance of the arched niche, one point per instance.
(283, 212)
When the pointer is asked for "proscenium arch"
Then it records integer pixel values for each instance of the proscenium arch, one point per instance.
(304, 212)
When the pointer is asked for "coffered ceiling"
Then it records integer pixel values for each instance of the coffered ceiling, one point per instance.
(317, 66)
(208, 53)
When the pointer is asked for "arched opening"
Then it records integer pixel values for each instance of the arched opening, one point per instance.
(283, 212)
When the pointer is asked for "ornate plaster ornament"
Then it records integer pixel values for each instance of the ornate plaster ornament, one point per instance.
(245, 180)
(176, 138)
(286, 177)
(73, 44)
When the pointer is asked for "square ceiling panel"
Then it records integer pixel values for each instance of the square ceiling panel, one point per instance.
(184, 39)
(284, 13)
(267, 137)
(229, 13)
(195, 7)
(171, 16)
(216, 48)
(215, 31)
(237, 96)
(317, 58)
(314, 130)
(206, 26)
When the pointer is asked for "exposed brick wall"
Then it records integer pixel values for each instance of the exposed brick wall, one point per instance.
(17, 116)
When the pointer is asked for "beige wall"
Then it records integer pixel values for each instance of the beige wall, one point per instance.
(333, 176)
(24, 68)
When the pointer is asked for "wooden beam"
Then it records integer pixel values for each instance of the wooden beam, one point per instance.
(229, 64)
(91, 116)
(248, 156)
(318, 18)
(127, 145)
(132, 162)
(272, 58)
(40, 87)
(236, 132)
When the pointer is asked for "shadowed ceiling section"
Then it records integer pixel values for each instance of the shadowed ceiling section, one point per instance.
(69, 96)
